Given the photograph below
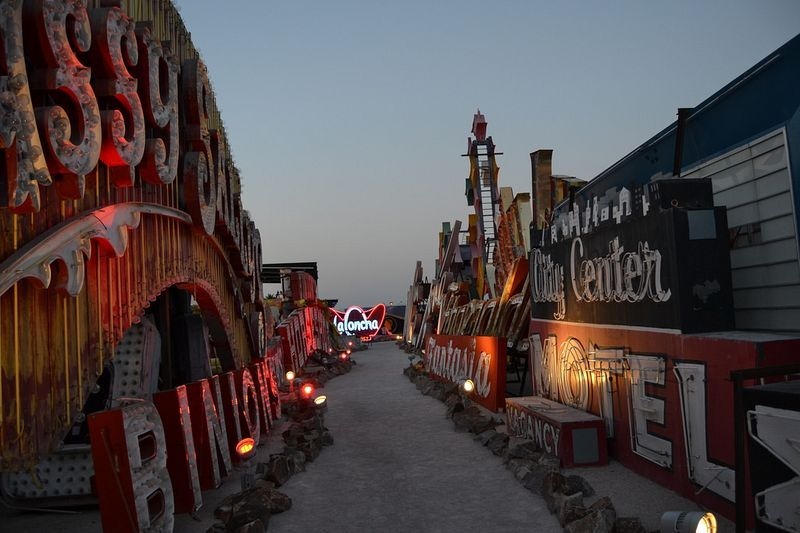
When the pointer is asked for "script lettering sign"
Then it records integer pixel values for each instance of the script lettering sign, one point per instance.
(647, 272)
(481, 359)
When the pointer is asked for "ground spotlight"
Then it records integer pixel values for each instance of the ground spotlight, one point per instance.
(466, 385)
(343, 356)
(307, 390)
(289, 376)
(246, 449)
(688, 522)
(321, 403)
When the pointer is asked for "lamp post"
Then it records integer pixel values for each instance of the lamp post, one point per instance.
(290, 378)
(320, 407)
(246, 449)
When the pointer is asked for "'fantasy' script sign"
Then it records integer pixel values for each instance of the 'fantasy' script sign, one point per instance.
(481, 359)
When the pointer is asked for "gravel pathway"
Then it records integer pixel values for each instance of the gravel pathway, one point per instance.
(397, 465)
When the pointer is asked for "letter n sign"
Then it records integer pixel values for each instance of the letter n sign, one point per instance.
(130, 461)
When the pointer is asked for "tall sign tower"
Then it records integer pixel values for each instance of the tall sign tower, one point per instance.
(482, 193)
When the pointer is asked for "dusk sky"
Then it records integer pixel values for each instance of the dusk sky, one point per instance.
(347, 119)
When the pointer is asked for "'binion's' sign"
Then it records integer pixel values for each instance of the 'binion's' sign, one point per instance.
(364, 323)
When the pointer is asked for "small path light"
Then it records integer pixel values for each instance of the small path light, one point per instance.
(688, 522)
(246, 449)
(307, 390)
(467, 385)
(321, 403)
(320, 407)
(290, 378)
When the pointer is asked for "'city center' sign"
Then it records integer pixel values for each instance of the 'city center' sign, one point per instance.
(364, 323)
(652, 266)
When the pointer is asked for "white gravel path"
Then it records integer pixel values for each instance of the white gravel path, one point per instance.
(397, 465)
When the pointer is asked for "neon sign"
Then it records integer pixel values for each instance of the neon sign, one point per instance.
(364, 323)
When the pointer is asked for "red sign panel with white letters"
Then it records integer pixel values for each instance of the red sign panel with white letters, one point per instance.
(481, 359)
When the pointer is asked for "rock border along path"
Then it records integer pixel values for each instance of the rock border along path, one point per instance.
(397, 465)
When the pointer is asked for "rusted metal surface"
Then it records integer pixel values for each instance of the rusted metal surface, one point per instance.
(98, 217)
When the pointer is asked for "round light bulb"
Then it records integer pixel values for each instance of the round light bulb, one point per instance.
(707, 524)
(468, 385)
(245, 448)
(289, 375)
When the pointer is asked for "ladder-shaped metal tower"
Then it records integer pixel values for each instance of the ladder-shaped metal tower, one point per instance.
(483, 194)
(487, 188)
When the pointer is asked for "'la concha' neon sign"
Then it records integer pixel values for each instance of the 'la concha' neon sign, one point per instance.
(364, 323)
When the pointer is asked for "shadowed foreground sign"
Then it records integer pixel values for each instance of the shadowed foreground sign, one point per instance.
(576, 437)
(481, 359)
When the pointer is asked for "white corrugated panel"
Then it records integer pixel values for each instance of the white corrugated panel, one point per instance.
(768, 319)
(766, 275)
(754, 182)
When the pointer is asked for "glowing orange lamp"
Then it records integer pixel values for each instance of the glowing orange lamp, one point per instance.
(246, 448)
(307, 390)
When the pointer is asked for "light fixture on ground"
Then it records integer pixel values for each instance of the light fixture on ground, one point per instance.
(688, 522)
(246, 449)
(466, 385)
(320, 407)
(290, 378)
(321, 403)
(307, 390)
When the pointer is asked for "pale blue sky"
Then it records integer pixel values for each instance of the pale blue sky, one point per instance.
(347, 119)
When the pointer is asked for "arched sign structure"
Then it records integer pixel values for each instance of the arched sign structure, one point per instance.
(364, 323)
(119, 193)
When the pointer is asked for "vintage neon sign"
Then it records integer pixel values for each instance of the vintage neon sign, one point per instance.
(479, 358)
(364, 323)
(165, 452)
